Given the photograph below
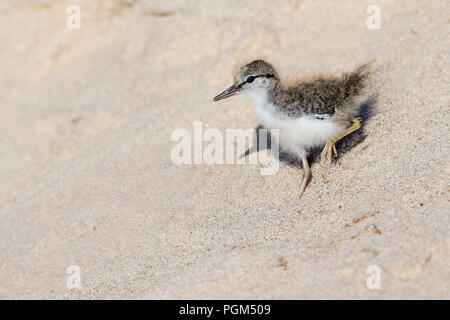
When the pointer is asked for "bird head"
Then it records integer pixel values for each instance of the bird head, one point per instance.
(255, 78)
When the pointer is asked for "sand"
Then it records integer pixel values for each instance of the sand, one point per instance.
(86, 176)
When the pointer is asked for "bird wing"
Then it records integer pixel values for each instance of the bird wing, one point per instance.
(317, 98)
(320, 98)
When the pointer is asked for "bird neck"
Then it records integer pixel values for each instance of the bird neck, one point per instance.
(275, 93)
(266, 101)
(266, 95)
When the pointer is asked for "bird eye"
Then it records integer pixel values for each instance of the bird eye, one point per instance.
(250, 79)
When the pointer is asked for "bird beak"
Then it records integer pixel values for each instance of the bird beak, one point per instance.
(227, 93)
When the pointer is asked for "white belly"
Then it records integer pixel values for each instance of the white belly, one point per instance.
(305, 132)
(298, 134)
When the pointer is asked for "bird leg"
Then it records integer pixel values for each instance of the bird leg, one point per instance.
(306, 172)
(330, 146)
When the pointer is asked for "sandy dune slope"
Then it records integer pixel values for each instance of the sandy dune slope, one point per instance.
(86, 176)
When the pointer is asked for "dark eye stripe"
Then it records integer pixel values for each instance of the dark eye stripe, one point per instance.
(250, 79)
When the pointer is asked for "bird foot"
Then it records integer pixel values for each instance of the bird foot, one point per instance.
(327, 153)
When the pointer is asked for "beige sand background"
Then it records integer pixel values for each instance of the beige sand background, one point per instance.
(86, 176)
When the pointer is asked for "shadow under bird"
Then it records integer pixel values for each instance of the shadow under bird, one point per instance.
(308, 114)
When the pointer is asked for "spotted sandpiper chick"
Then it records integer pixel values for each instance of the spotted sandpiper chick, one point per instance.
(313, 113)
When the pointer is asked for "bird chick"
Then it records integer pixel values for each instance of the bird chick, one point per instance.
(308, 114)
